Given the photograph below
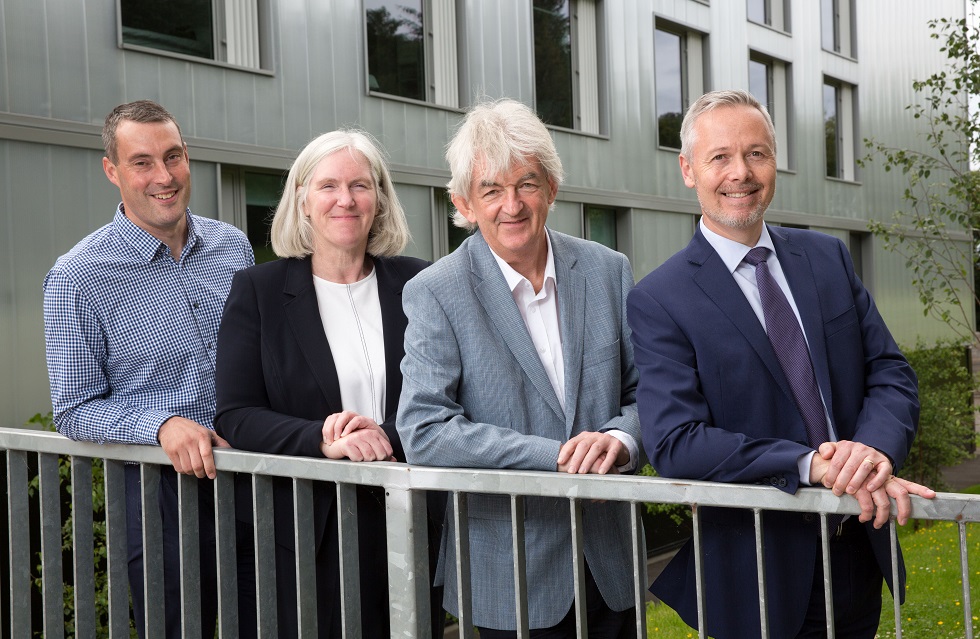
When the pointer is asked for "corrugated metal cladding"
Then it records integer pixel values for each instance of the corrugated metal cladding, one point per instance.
(63, 67)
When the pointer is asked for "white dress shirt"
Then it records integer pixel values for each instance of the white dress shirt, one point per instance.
(540, 313)
(351, 316)
(733, 253)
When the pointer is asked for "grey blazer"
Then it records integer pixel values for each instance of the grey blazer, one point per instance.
(475, 395)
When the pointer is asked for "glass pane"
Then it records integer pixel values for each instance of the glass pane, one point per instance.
(600, 226)
(553, 61)
(455, 234)
(262, 191)
(181, 26)
(670, 87)
(831, 130)
(396, 52)
(760, 84)
(756, 10)
(828, 25)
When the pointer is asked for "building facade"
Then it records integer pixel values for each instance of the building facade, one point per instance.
(252, 81)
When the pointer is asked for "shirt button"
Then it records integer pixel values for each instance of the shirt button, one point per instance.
(196, 305)
(210, 345)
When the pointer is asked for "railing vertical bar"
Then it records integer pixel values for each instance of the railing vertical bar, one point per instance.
(408, 562)
(350, 574)
(897, 598)
(18, 521)
(639, 569)
(828, 594)
(52, 572)
(965, 577)
(578, 569)
(306, 595)
(699, 570)
(226, 547)
(265, 556)
(760, 567)
(153, 590)
(83, 546)
(520, 565)
(464, 589)
(190, 556)
(117, 551)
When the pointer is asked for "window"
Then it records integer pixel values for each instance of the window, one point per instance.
(227, 31)
(772, 13)
(600, 225)
(769, 82)
(679, 75)
(836, 27)
(566, 63)
(248, 200)
(411, 49)
(446, 236)
(839, 134)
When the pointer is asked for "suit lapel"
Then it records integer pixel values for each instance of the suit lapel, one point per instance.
(571, 318)
(714, 278)
(498, 303)
(393, 322)
(303, 316)
(799, 274)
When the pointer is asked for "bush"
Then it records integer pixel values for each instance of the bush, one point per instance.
(946, 435)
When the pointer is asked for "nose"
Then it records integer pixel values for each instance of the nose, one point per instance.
(345, 199)
(161, 174)
(512, 202)
(740, 169)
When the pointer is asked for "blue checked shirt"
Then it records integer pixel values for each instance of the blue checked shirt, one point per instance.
(130, 334)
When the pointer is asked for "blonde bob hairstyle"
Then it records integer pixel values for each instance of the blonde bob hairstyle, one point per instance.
(498, 134)
(292, 234)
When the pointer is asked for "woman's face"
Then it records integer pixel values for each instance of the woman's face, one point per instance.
(341, 202)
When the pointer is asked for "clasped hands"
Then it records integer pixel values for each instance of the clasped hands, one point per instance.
(866, 473)
(591, 452)
(354, 437)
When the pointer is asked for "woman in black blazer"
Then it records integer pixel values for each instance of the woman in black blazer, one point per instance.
(308, 360)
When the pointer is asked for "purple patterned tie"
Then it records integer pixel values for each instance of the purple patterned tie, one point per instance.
(787, 340)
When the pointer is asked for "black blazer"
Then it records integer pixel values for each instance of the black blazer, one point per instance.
(276, 380)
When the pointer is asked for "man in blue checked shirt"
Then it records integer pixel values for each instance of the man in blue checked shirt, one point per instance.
(131, 316)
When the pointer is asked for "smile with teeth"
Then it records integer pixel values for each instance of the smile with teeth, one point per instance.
(739, 194)
(165, 196)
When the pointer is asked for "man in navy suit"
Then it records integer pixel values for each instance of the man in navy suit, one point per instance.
(715, 403)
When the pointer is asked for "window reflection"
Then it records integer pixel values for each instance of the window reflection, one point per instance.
(262, 191)
(600, 225)
(553, 61)
(396, 54)
(670, 86)
(831, 124)
(760, 83)
(180, 26)
(758, 11)
(829, 26)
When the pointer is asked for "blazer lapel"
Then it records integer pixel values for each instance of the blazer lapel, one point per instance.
(799, 274)
(498, 303)
(394, 324)
(714, 278)
(303, 316)
(571, 318)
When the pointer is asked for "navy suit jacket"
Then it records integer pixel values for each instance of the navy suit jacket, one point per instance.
(715, 405)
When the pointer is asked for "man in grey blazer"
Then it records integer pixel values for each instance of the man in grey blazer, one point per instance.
(517, 355)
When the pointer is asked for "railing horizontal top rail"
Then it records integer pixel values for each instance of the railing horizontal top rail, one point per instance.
(948, 506)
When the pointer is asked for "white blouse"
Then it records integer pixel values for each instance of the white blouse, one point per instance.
(351, 316)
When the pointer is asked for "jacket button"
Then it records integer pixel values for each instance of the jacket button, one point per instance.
(782, 482)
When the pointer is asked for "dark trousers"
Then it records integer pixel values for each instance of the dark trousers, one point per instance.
(857, 584)
(604, 623)
(170, 525)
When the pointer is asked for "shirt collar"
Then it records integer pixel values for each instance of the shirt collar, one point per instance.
(514, 278)
(731, 252)
(144, 243)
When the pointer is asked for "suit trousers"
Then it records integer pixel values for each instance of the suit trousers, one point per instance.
(170, 525)
(857, 582)
(604, 622)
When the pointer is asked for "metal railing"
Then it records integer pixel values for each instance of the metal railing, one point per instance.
(405, 487)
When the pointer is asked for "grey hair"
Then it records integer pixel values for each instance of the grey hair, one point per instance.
(497, 134)
(292, 233)
(713, 100)
(142, 111)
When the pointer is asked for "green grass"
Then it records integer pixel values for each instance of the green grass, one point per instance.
(934, 596)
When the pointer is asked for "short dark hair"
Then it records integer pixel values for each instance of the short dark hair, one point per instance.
(138, 111)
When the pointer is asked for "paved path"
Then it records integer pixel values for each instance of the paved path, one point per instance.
(964, 474)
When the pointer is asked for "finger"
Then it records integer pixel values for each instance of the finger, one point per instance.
(867, 506)
(840, 457)
(863, 470)
(207, 460)
(882, 472)
(578, 457)
(356, 422)
(218, 441)
(883, 508)
(897, 489)
(608, 463)
(343, 420)
(328, 433)
(568, 449)
(352, 450)
(593, 457)
(827, 450)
